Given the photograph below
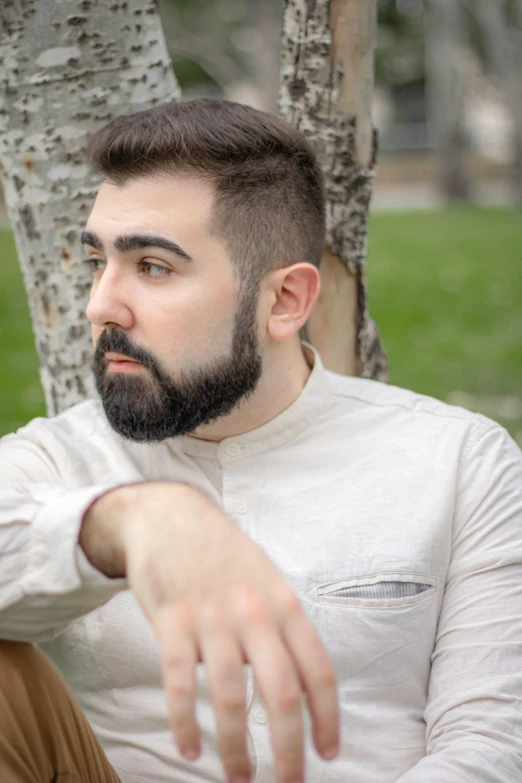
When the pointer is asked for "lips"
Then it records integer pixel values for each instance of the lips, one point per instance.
(119, 357)
(119, 363)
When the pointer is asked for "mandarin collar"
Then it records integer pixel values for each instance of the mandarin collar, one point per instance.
(287, 425)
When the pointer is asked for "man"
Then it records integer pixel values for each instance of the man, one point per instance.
(342, 559)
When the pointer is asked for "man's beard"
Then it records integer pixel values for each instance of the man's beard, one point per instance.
(156, 407)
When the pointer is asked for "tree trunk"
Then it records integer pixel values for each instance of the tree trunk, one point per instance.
(326, 91)
(445, 40)
(63, 75)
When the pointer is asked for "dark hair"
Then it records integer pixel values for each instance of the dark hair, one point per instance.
(269, 203)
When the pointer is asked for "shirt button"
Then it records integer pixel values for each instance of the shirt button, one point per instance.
(241, 507)
(260, 716)
(232, 449)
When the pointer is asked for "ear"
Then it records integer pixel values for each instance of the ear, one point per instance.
(294, 290)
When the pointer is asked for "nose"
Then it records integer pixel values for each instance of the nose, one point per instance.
(109, 301)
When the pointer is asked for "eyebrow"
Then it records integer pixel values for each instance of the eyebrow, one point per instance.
(124, 243)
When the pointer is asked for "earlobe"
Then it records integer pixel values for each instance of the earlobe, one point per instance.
(296, 290)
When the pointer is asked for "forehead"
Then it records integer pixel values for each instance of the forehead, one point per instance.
(168, 203)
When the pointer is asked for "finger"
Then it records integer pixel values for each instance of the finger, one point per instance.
(318, 679)
(176, 635)
(223, 661)
(280, 690)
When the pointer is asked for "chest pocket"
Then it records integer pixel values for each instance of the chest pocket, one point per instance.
(378, 590)
(378, 629)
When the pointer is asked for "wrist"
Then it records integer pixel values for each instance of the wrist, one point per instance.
(118, 516)
(101, 535)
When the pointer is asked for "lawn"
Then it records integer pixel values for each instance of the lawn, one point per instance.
(445, 288)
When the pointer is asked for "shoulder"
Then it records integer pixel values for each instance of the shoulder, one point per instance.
(81, 420)
(50, 447)
(394, 407)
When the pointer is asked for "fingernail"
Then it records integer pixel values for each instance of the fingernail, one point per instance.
(190, 754)
(330, 753)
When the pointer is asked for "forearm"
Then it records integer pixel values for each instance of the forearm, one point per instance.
(471, 759)
(45, 580)
(63, 552)
(101, 532)
(116, 515)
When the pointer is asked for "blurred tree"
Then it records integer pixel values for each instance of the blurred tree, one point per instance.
(399, 56)
(445, 44)
(266, 18)
(500, 28)
(230, 47)
(62, 75)
(400, 72)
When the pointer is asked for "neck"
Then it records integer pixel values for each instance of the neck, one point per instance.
(284, 377)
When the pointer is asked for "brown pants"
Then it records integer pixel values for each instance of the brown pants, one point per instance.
(44, 736)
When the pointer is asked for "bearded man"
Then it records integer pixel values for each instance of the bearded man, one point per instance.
(244, 566)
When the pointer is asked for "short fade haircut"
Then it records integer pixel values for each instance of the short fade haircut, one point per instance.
(269, 205)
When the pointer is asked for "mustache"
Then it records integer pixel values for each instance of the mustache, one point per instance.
(119, 342)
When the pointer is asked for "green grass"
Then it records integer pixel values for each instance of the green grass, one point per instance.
(445, 288)
(21, 396)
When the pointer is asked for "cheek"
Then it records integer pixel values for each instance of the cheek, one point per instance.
(194, 325)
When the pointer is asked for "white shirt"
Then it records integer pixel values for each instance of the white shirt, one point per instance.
(395, 518)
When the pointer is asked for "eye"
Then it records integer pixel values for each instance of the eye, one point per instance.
(145, 268)
(96, 264)
(148, 269)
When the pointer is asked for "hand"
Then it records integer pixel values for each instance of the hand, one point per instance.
(213, 596)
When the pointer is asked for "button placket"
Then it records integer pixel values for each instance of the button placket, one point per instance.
(260, 715)
(233, 503)
(252, 754)
(249, 685)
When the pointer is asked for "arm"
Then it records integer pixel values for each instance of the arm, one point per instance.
(46, 581)
(210, 594)
(474, 709)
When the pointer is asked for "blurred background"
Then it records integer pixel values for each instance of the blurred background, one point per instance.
(445, 238)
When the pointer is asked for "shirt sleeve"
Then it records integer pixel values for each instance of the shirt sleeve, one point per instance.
(46, 581)
(474, 709)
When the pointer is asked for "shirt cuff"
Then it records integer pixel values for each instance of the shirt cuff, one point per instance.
(56, 563)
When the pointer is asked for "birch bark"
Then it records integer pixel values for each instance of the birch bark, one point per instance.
(66, 68)
(326, 90)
